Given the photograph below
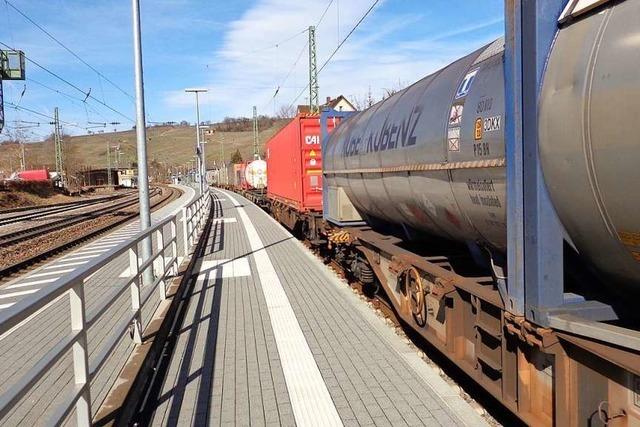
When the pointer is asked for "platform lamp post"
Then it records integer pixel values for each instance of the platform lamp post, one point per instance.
(203, 142)
(192, 170)
(199, 147)
(141, 146)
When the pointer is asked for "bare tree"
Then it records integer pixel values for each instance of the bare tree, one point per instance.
(363, 102)
(389, 92)
(370, 99)
(358, 102)
(286, 112)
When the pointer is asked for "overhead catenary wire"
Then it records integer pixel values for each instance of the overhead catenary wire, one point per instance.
(291, 69)
(326, 9)
(295, 63)
(75, 55)
(270, 46)
(324, 64)
(62, 79)
(43, 115)
(71, 98)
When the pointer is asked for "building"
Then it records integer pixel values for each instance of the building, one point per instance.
(99, 177)
(128, 178)
(339, 103)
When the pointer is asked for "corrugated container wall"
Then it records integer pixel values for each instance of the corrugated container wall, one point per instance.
(294, 164)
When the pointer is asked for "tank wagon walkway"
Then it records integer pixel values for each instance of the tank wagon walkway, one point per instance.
(269, 336)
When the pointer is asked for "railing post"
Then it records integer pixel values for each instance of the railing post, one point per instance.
(190, 226)
(185, 233)
(198, 215)
(174, 245)
(135, 294)
(160, 245)
(80, 353)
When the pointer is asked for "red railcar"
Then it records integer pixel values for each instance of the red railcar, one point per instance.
(34, 175)
(294, 164)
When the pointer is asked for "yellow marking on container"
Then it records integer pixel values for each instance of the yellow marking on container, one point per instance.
(478, 129)
(314, 171)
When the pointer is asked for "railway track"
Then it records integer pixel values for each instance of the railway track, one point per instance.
(11, 216)
(24, 254)
(22, 234)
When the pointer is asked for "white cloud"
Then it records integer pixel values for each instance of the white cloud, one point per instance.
(248, 68)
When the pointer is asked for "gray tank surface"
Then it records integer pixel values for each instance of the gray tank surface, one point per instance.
(590, 137)
(431, 157)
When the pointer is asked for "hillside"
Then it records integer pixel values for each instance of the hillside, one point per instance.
(168, 145)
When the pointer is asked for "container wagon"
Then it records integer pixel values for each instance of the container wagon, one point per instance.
(294, 181)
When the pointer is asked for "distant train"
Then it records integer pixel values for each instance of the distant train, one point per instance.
(245, 175)
(34, 175)
(414, 207)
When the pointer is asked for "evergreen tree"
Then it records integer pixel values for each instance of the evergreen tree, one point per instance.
(236, 157)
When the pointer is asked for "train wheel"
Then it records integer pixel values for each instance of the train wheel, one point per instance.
(415, 294)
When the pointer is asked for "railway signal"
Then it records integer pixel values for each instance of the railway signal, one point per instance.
(11, 68)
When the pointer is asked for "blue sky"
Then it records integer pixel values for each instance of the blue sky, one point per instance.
(240, 50)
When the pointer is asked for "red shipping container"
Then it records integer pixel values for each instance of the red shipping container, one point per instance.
(294, 164)
(34, 175)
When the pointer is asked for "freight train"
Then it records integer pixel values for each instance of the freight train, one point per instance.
(414, 206)
(245, 175)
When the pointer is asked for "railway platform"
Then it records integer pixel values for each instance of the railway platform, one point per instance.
(268, 335)
(25, 345)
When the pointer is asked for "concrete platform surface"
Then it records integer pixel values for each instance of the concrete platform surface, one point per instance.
(270, 336)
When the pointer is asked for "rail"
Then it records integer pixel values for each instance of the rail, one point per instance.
(162, 266)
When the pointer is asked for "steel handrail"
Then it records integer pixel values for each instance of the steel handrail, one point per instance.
(193, 220)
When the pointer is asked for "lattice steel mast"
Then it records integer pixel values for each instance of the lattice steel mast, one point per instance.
(256, 153)
(314, 104)
(59, 148)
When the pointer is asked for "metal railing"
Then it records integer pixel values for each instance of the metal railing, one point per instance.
(162, 266)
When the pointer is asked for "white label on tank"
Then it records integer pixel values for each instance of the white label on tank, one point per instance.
(492, 123)
(465, 84)
(453, 138)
